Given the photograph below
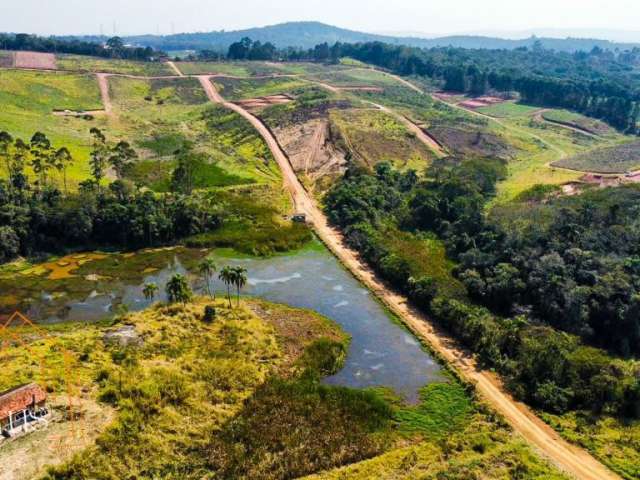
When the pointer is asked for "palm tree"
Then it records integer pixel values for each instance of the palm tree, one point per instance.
(207, 268)
(149, 291)
(240, 280)
(227, 275)
(178, 289)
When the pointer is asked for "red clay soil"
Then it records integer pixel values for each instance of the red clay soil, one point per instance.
(262, 102)
(480, 102)
(567, 457)
(35, 60)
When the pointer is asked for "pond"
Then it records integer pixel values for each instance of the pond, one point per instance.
(382, 352)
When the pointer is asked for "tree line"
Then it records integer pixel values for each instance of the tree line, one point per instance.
(39, 214)
(542, 365)
(113, 47)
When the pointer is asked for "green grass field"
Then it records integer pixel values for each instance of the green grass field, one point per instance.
(349, 77)
(614, 442)
(128, 67)
(508, 110)
(580, 121)
(250, 69)
(28, 100)
(233, 89)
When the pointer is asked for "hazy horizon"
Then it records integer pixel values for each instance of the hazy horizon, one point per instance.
(617, 18)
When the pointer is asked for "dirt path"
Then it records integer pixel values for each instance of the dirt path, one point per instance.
(173, 67)
(423, 136)
(539, 117)
(573, 460)
(316, 145)
(103, 83)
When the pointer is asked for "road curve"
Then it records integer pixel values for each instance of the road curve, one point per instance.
(573, 460)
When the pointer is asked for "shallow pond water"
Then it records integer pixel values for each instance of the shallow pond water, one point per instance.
(382, 353)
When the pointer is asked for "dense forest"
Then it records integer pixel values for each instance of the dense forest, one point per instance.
(112, 48)
(576, 272)
(37, 214)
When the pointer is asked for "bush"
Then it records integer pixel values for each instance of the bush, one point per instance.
(209, 314)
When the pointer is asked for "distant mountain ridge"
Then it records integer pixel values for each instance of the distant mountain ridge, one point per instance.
(309, 34)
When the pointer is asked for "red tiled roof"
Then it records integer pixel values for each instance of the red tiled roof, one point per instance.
(17, 399)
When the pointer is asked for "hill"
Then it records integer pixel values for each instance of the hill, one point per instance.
(309, 34)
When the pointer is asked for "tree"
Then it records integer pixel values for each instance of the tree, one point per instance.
(41, 157)
(116, 46)
(149, 291)
(9, 244)
(63, 159)
(207, 268)
(99, 155)
(121, 155)
(240, 280)
(178, 289)
(227, 275)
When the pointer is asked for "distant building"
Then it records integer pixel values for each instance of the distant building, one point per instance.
(21, 407)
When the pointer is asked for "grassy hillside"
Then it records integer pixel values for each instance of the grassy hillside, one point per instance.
(29, 99)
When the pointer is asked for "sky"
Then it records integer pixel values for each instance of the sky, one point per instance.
(380, 16)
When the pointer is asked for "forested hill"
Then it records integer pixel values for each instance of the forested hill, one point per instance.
(308, 34)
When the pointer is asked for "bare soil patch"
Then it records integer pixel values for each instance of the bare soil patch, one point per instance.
(469, 142)
(258, 103)
(6, 59)
(480, 102)
(27, 457)
(311, 150)
(35, 60)
(363, 88)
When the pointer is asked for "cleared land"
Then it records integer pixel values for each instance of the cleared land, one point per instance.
(508, 109)
(242, 89)
(104, 65)
(35, 60)
(249, 69)
(615, 159)
(374, 136)
(6, 59)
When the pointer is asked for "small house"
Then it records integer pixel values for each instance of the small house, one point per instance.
(20, 407)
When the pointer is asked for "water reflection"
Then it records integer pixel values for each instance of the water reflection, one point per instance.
(381, 353)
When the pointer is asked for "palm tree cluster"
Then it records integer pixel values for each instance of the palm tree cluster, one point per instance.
(178, 289)
(230, 276)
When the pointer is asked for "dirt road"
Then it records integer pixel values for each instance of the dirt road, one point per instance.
(175, 68)
(570, 459)
(103, 83)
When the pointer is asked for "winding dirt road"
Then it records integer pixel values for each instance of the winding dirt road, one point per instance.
(571, 459)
